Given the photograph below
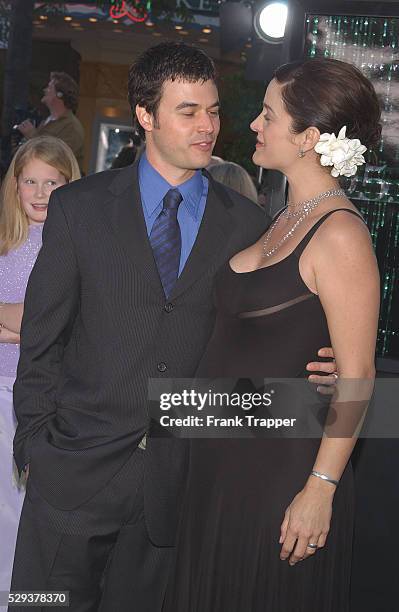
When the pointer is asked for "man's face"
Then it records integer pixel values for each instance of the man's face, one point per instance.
(50, 93)
(184, 132)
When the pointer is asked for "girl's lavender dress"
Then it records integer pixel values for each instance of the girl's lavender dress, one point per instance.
(15, 268)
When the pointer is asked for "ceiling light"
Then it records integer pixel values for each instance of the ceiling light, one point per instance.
(270, 21)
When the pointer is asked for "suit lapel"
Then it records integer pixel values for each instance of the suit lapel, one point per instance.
(129, 224)
(215, 229)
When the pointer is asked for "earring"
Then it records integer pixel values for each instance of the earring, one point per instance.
(301, 153)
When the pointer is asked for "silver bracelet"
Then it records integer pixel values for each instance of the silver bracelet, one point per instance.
(324, 477)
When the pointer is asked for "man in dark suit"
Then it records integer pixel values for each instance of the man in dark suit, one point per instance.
(121, 292)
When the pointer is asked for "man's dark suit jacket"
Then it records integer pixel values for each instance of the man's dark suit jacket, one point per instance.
(97, 326)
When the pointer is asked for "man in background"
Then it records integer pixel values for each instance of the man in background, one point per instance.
(61, 98)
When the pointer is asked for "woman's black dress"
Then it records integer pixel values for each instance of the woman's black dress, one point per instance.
(227, 554)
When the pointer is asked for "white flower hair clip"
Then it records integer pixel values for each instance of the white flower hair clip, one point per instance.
(344, 154)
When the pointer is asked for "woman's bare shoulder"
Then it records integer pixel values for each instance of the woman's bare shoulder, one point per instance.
(344, 228)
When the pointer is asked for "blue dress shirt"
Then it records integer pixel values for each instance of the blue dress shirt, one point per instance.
(153, 188)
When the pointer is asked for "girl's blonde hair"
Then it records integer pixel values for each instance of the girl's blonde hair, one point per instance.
(14, 223)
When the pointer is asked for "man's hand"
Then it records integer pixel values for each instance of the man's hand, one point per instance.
(328, 368)
(27, 128)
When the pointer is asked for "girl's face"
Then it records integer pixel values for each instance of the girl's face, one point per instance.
(35, 184)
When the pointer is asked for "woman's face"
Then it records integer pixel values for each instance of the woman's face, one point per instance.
(276, 148)
(35, 184)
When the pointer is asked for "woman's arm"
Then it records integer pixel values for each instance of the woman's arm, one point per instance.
(11, 316)
(347, 281)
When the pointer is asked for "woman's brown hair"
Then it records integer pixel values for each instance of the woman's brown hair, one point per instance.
(328, 94)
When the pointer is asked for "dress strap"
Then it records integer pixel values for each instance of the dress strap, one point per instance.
(307, 238)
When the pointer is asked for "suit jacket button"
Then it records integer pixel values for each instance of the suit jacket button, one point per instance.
(162, 367)
(169, 307)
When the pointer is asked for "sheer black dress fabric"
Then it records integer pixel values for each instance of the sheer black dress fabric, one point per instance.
(227, 556)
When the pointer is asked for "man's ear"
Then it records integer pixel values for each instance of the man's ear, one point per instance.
(145, 118)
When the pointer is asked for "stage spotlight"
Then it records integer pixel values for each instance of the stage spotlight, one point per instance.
(270, 21)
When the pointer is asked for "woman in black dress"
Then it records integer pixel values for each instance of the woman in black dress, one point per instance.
(267, 523)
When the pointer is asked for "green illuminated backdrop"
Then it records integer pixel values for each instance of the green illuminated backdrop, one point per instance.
(371, 43)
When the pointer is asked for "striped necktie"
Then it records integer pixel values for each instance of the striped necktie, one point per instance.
(165, 240)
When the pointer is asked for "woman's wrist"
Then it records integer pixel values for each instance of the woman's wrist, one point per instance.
(325, 477)
(320, 486)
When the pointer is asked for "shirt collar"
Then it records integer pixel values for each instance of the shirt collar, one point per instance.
(155, 187)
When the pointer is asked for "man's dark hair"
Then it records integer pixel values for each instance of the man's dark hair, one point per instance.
(168, 61)
(68, 89)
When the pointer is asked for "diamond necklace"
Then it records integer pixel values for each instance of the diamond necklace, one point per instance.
(305, 208)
